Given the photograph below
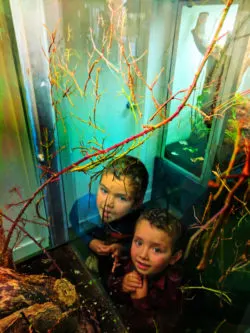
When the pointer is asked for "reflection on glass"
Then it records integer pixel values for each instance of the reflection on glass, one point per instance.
(17, 172)
(239, 116)
(187, 136)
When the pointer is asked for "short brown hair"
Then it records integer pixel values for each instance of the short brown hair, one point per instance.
(133, 168)
(163, 220)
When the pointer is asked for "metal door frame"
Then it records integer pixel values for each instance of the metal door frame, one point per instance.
(30, 41)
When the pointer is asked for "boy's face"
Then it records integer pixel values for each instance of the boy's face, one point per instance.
(115, 197)
(151, 250)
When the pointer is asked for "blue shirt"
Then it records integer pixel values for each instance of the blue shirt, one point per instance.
(84, 217)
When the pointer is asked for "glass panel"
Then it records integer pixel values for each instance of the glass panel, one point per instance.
(239, 115)
(17, 172)
(100, 111)
(29, 21)
(188, 134)
(86, 121)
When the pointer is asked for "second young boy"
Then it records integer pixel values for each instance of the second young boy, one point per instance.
(149, 282)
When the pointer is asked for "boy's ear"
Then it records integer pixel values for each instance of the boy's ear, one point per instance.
(175, 257)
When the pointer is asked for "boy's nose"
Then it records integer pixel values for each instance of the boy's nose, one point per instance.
(110, 201)
(144, 253)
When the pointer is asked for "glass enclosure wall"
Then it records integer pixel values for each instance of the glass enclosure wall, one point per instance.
(188, 135)
(192, 147)
(107, 104)
(18, 176)
(105, 115)
(98, 101)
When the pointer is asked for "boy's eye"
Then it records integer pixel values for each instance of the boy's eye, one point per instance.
(138, 242)
(157, 250)
(103, 190)
(122, 198)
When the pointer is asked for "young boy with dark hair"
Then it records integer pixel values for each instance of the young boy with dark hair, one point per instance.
(150, 281)
(115, 208)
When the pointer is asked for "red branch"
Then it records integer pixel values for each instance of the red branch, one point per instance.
(35, 241)
(218, 218)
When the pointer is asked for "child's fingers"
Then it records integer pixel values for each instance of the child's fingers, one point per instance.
(102, 252)
(135, 273)
(115, 264)
(110, 249)
(134, 277)
(115, 249)
(127, 287)
(134, 284)
(145, 284)
(115, 254)
(103, 249)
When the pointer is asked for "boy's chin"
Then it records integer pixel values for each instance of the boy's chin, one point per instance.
(142, 271)
(112, 218)
(107, 220)
(148, 273)
(144, 274)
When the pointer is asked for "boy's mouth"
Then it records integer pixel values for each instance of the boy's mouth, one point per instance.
(106, 214)
(142, 266)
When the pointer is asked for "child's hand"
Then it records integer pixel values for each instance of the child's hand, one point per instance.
(116, 250)
(142, 291)
(131, 282)
(99, 247)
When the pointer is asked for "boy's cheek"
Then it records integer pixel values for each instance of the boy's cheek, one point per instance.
(133, 252)
(122, 209)
(160, 263)
(99, 199)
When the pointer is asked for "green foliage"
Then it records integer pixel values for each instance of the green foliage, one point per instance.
(231, 131)
(232, 125)
(204, 98)
(200, 128)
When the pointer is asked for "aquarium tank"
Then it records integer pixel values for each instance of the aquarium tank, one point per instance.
(125, 166)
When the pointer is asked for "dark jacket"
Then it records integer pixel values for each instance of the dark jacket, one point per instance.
(163, 290)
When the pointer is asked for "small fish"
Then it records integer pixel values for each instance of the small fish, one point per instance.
(77, 272)
(46, 261)
(183, 143)
(190, 150)
(197, 159)
(174, 153)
